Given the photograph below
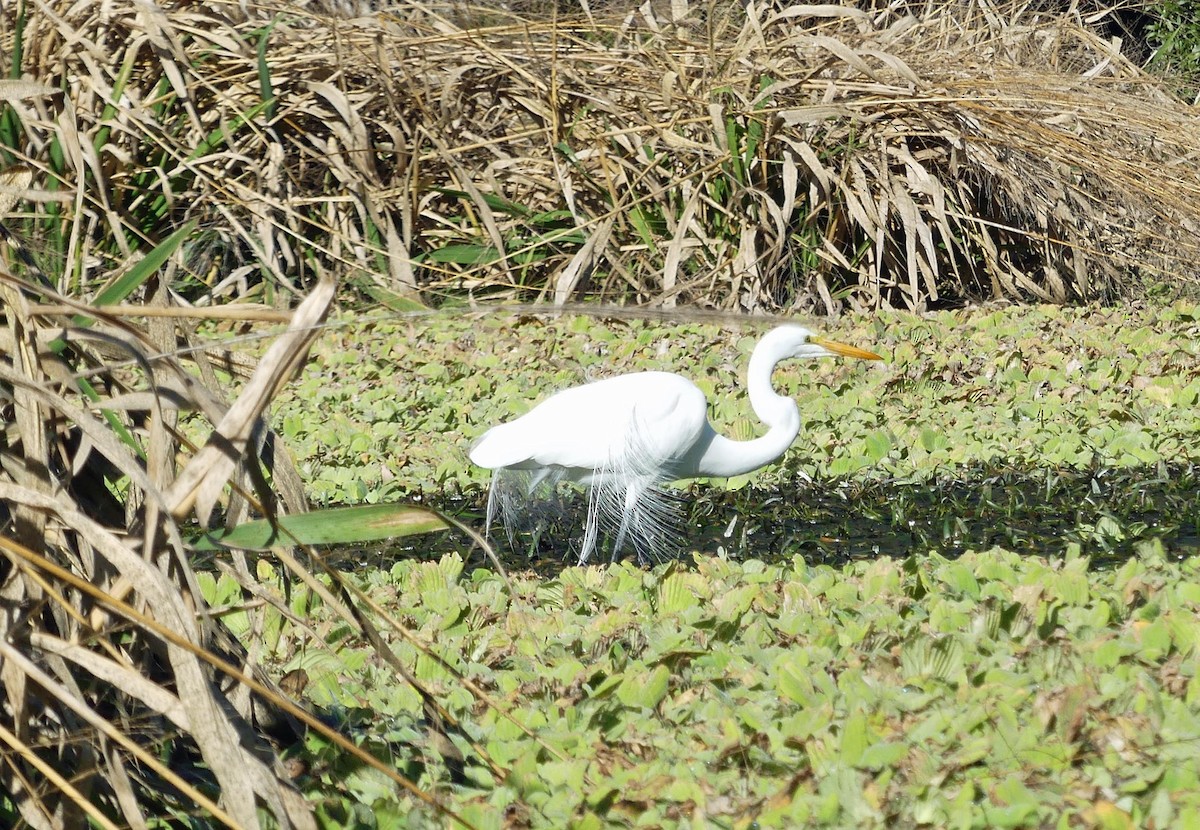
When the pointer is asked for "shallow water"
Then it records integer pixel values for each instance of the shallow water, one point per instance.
(1105, 513)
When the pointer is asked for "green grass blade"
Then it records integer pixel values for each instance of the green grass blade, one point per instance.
(10, 124)
(111, 107)
(264, 71)
(221, 134)
(640, 220)
(334, 526)
(133, 279)
(393, 301)
(462, 255)
(496, 202)
(118, 290)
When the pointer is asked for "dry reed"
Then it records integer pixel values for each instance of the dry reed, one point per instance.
(809, 158)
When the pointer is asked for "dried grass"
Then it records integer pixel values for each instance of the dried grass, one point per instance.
(106, 656)
(811, 158)
(110, 660)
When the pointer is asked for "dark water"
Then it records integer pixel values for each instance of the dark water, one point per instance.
(1106, 513)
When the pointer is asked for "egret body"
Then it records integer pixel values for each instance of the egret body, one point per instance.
(624, 437)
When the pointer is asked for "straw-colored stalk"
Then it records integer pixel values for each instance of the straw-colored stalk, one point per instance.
(809, 158)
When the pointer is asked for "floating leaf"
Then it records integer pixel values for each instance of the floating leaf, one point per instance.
(882, 754)
(792, 680)
(854, 738)
(676, 594)
(958, 576)
(654, 687)
(878, 444)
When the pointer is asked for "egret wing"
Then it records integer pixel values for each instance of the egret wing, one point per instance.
(635, 423)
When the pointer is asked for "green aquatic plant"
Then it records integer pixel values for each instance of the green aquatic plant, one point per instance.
(995, 689)
(1017, 427)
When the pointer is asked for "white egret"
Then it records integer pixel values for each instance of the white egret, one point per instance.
(624, 437)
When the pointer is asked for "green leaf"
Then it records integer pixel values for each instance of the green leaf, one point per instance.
(958, 576)
(431, 669)
(264, 71)
(792, 680)
(135, 277)
(1155, 639)
(882, 754)
(641, 223)
(606, 686)
(655, 686)
(675, 594)
(642, 688)
(220, 135)
(1018, 804)
(879, 444)
(332, 526)
(553, 219)
(494, 201)
(464, 254)
(933, 441)
(854, 739)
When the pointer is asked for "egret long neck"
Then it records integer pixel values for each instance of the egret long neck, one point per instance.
(725, 457)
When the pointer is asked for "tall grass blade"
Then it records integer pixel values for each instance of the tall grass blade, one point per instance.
(331, 526)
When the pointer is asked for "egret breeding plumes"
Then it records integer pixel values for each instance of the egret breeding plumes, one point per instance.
(624, 437)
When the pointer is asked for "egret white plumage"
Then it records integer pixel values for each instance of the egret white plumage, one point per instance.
(626, 436)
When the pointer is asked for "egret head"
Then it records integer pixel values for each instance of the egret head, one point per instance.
(797, 341)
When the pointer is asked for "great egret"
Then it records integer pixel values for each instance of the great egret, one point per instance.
(624, 437)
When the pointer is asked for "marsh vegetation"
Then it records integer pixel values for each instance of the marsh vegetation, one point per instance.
(273, 258)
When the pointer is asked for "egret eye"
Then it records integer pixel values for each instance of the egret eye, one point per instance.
(626, 436)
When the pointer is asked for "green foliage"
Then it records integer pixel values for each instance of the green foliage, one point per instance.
(991, 690)
(1176, 37)
(1011, 686)
(330, 526)
(1040, 388)
(534, 239)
